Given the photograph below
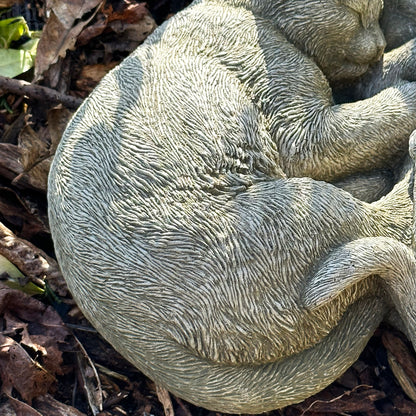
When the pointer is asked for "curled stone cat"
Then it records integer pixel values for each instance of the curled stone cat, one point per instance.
(191, 212)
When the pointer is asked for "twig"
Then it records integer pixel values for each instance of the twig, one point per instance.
(347, 393)
(38, 92)
(164, 398)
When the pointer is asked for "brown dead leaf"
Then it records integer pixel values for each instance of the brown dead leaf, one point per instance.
(9, 161)
(401, 353)
(131, 19)
(30, 356)
(37, 148)
(91, 75)
(89, 379)
(20, 408)
(47, 405)
(20, 372)
(33, 148)
(24, 212)
(69, 11)
(36, 178)
(35, 159)
(58, 119)
(55, 41)
(128, 11)
(8, 3)
(39, 318)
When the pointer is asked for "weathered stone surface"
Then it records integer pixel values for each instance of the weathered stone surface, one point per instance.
(192, 212)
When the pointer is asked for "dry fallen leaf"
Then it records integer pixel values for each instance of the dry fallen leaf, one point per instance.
(398, 348)
(30, 357)
(131, 20)
(9, 161)
(58, 117)
(91, 75)
(69, 11)
(37, 149)
(34, 148)
(89, 380)
(19, 408)
(47, 405)
(8, 3)
(56, 40)
(17, 212)
(35, 160)
(20, 372)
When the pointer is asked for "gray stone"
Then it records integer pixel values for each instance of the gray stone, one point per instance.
(191, 208)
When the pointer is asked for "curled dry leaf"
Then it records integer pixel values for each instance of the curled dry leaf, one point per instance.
(89, 380)
(20, 372)
(401, 352)
(132, 20)
(37, 149)
(401, 376)
(56, 40)
(35, 160)
(30, 356)
(69, 11)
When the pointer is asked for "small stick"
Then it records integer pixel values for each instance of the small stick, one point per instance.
(164, 398)
(38, 92)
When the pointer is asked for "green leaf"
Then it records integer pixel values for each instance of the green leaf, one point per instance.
(12, 29)
(14, 62)
(30, 46)
(15, 278)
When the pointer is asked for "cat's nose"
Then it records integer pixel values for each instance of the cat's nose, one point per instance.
(368, 47)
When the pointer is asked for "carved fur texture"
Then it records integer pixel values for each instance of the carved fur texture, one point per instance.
(192, 215)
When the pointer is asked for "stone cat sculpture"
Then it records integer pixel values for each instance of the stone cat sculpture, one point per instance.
(191, 213)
